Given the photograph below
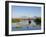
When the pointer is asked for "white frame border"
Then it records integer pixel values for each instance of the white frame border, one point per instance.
(30, 31)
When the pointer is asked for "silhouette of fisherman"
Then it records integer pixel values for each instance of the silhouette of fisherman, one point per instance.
(29, 21)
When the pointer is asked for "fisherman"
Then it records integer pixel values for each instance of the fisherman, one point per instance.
(29, 21)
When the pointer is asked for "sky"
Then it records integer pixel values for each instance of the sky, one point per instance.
(28, 11)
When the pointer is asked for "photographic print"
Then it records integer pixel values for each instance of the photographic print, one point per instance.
(25, 18)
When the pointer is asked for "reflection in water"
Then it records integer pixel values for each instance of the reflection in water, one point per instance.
(24, 25)
(25, 28)
(33, 23)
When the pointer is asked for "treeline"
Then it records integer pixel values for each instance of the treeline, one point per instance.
(37, 21)
(15, 20)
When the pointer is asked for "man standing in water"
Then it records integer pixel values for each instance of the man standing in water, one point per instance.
(29, 21)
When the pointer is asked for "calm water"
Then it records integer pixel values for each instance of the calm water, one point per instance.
(26, 28)
(33, 27)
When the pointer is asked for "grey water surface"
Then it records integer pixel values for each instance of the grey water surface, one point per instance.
(26, 26)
